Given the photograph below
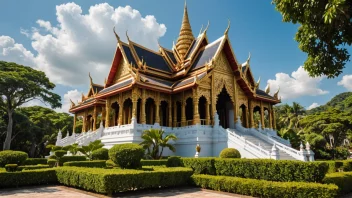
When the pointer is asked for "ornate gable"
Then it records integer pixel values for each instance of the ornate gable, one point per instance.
(122, 71)
(222, 64)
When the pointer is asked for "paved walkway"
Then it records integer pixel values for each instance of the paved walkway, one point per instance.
(66, 192)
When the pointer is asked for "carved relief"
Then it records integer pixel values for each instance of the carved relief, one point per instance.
(150, 94)
(222, 64)
(222, 81)
(204, 92)
(126, 95)
(122, 70)
(188, 94)
(164, 97)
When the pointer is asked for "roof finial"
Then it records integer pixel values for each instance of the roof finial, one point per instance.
(228, 27)
(276, 95)
(200, 32)
(258, 82)
(117, 37)
(90, 78)
(206, 28)
(249, 57)
(267, 89)
(72, 103)
(186, 37)
(128, 38)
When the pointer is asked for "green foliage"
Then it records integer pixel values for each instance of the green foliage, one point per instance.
(71, 159)
(153, 139)
(92, 146)
(272, 170)
(343, 180)
(100, 154)
(324, 34)
(265, 189)
(52, 162)
(110, 181)
(154, 162)
(204, 165)
(230, 153)
(33, 167)
(25, 178)
(52, 157)
(90, 164)
(35, 161)
(74, 148)
(334, 166)
(11, 167)
(56, 148)
(127, 155)
(173, 161)
(20, 84)
(347, 165)
(60, 153)
(337, 102)
(110, 163)
(12, 157)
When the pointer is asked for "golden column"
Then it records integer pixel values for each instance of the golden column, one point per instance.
(107, 113)
(95, 118)
(134, 108)
(251, 115)
(157, 112)
(143, 101)
(247, 118)
(270, 117)
(207, 113)
(183, 113)
(235, 103)
(169, 109)
(175, 113)
(196, 119)
(274, 120)
(74, 122)
(262, 115)
(120, 110)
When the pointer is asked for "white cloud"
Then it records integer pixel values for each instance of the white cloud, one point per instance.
(312, 106)
(74, 95)
(297, 85)
(346, 81)
(81, 43)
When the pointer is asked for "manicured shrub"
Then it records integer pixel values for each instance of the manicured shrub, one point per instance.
(35, 161)
(110, 163)
(127, 155)
(30, 177)
(71, 159)
(343, 180)
(89, 164)
(272, 170)
(52, 162)
(262, 188)
(204, 165)
(100, 154)
(11, 167)
(154, 162)
(110, 181)
(347, 165)
(230, 153)
(32, 167)
(12, 157)
(56, 148)
(173, 161)
(60, 153)
(334, 166)
(52, 157)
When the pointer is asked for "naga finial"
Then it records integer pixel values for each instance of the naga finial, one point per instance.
(228, 27)
(90, 78)
(128, 38)
(276, 95)
(267, 89)
(117, 37)
(249, 57)
(200, 32)
(257, 84)
(72, 103)
(206, 29)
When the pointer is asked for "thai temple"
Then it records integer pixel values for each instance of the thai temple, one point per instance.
(197, 90)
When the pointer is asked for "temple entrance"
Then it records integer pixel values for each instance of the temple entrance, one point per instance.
(163, 113)
(127, 111)
(243, 115)
(189, 111)
(224, 108)
(150, 111)
(202, 107)
(114, 114)
(256, 116)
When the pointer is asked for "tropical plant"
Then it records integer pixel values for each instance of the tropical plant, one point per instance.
(74, 148)
(92, 146)
(154, 139)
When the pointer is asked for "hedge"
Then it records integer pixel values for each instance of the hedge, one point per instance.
(32, 167)
(347, 165)
(200, 165)
(127, 155)
(12, 157)
(162, 162)
(262, 188)
(108, 181)
(35, 161)
(71, 159)
(100, 154)
(343, 180)
(110, 163)
(90, 164)
(30, 177)
(173, 161)
(334, 166)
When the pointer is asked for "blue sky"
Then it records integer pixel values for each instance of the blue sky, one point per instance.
(256, 27)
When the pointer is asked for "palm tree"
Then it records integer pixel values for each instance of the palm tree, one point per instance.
(153, 139)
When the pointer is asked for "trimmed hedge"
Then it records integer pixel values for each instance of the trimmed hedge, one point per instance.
(71, 159)
(100, 154)
(32, 167)
(173, 161)
(108, 181)
(11, 167)
(35, 161)
(127, 155)
(110, 163)
(204, 165)
(12, 157)
(230, 153)
(262, 188)
(89, 164)
(343, 180)
(334, 166)
(347, 165)
(154, 162)
(30, 177)
(52, 162)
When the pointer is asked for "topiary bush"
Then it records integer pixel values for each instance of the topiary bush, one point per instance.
(230, 153)
(60, 153)
(127, 155)
(11, 167)
(52, 157)
(12, 157)
(35, 161)
(52, 162)
(173, 161)
(89, 164)
(32, 167)
(100, 154)
(110, 163)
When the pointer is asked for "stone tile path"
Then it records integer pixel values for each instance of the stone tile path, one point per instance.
(66, 192)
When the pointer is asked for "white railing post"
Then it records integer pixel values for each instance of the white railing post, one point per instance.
(59, 137)
(302, 152)
(274, 153)
(310, 153)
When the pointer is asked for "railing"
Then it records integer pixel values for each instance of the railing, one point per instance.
(291, 151)
(203, 121)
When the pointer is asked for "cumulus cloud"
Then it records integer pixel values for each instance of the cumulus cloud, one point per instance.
(346, 81)
(74, 95)
(81, 43)
(312, 106)
(297, 85)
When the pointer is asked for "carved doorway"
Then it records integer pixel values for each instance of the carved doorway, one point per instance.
(225, 110)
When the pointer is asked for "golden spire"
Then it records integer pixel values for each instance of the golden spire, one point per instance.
(186, 37)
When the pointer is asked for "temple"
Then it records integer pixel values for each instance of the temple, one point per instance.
(194, 88)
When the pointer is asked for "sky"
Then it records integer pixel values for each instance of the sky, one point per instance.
(67, 40)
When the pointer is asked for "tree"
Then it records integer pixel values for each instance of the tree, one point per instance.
(92, 146)
(20, 84)
(325, 31)
(153, 139)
